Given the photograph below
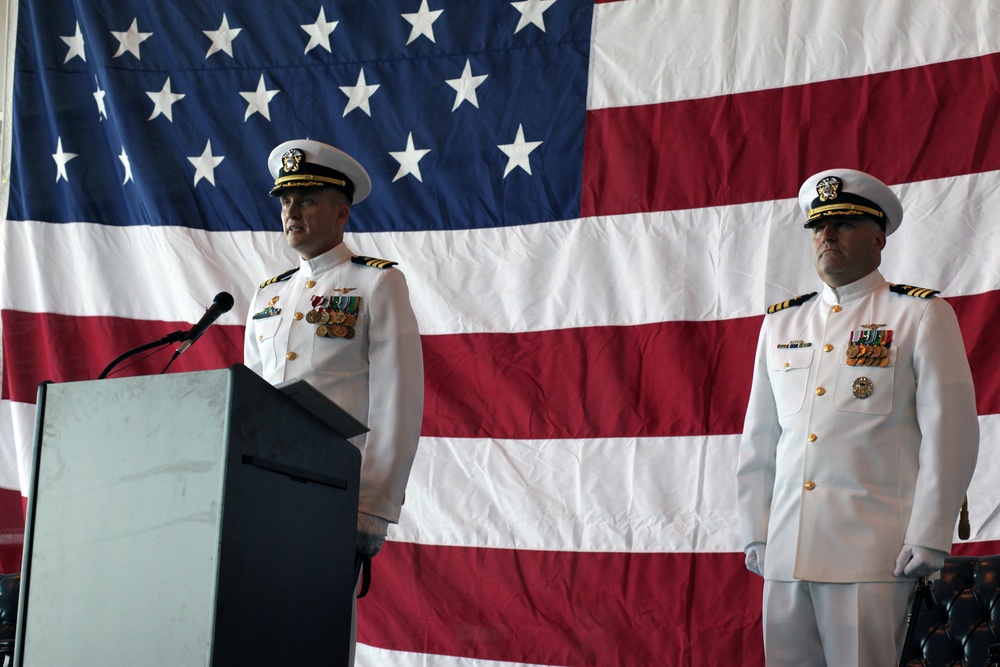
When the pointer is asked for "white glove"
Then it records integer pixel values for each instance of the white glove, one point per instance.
(917, 561)
(755, 558)
(371, 534)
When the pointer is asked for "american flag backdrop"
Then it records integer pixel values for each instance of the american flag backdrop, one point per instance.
(593, 204)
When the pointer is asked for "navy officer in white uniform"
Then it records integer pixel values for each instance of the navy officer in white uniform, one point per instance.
(342, 322)
(860, 440)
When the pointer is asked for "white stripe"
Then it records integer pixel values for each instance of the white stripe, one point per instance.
(621, 495)
(664, 50)
(17, 436)
(370, 656)
(643, 495)
(139, 272)
(984, 502)
(15, 443)
(702, 265)
(624, 494)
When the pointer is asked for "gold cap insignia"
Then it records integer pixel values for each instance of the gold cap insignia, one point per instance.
(829, 188)
(291, 159)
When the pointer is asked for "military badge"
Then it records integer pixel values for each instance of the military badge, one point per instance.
(869, 347)
(862, 387)
(335, 316)
(270, 311)
(793, 345)
(829, 188)
(291, 160)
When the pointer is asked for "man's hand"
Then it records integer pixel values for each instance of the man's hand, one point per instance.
(371, 534)
(755, 558)
(917, 561)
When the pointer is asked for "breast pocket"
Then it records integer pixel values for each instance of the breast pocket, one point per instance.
(866, 389)
(265, 330)
(341, 349)
(789, 369)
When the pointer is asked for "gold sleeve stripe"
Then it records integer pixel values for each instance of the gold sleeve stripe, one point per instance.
(796, 301)
(909, 290)
(279, 278)
(374, 261)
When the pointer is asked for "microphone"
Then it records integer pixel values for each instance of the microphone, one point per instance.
(222, 303)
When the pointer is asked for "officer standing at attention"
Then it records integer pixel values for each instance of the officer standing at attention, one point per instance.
(860, 440)
(343, 323)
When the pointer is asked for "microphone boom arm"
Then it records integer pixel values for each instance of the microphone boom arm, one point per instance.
(166, 340)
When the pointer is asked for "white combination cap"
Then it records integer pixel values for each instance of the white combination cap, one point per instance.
(848, 192)
(304, 163)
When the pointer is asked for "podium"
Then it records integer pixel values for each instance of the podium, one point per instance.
(187, 519)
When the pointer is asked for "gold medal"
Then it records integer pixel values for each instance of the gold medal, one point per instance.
(312, 317)
(350, 319)
(350, 333)
(321, 330)
(338, 317)
(324, 317)
(852, 351)
(339, 330)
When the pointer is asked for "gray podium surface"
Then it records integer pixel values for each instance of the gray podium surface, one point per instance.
(186, 519)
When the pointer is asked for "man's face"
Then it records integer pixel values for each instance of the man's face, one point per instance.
(846, 249)
(313, 219)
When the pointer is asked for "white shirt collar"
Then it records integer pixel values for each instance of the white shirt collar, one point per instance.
(335, 256)
(855, 290)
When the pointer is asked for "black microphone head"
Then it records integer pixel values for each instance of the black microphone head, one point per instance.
(224, 300)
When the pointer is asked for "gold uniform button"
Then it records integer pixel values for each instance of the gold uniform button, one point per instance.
(812, 437)
(310, 284)
(787, 364)
(837, 309)
(290, 356)
(297, 316)
(820, 391)
(810, 485)
(828, 348)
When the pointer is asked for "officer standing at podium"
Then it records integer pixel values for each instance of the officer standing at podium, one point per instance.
(343, 323)
(860, 440)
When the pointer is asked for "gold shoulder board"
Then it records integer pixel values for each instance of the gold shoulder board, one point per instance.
(910, 290)
(374, 261)
(797, 301)
(279, 278)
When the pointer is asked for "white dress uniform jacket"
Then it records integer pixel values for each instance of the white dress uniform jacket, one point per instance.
(376, 375)
(832, 480)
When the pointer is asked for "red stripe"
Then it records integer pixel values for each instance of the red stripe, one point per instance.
(671, 378)
(12, 507)
(564, 608)
(62, 348)
(904, 126)
(979, 317)
(666, 379)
